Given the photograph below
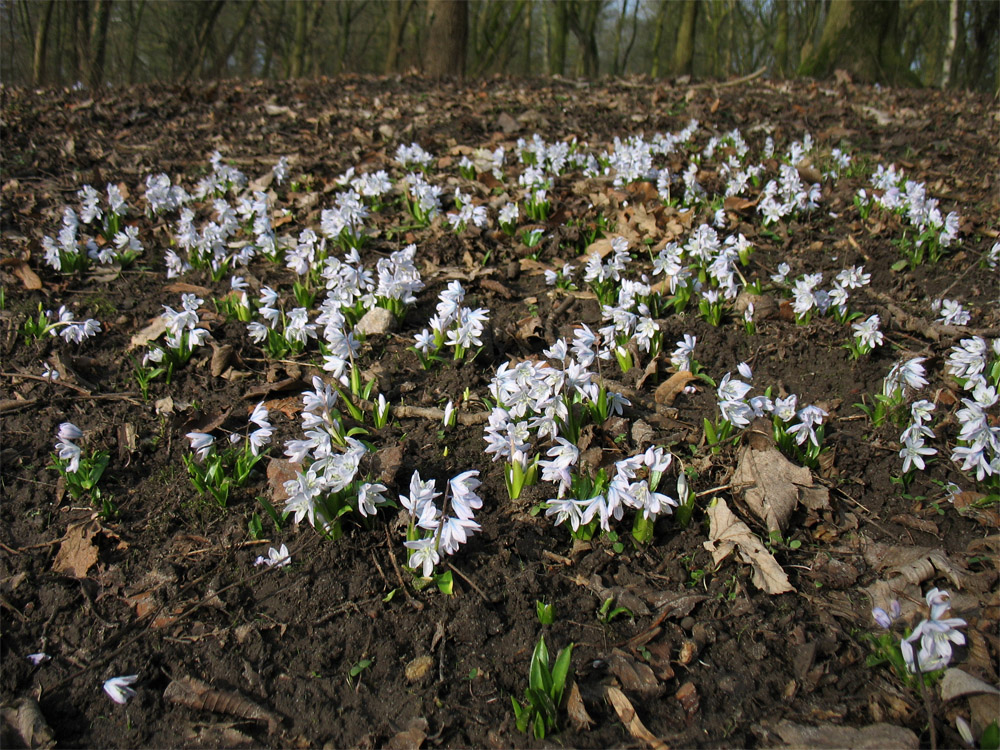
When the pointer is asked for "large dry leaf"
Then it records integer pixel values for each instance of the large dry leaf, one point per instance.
(77, 553)
(627, 715)
(150, 333)
(670, 388)
(727, 532)
(25, 716)
(20, 268)
(773, 486)
(872, 737)
(915, 564)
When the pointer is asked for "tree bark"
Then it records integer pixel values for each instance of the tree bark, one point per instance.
(949, 50)
(582, 18)
(557, 36)
(41, 45)
(781, 40)
(661, 16)
(98, 41)
(447, 37)
(863, 38)
(297, 56)
(398, 16)
(684, 49)
(209, 16)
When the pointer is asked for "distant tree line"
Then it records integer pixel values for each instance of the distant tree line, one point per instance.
(940, 43)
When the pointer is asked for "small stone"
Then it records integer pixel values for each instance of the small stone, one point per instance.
(419, 668)
(376, 321)
(688, 651)
(687, 623)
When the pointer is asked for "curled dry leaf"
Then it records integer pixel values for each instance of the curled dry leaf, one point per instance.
(773, 486)
(628, 717)
(727, 532)
(633, 675)
(576, 711)
(193, 693)
(27, 719)
(670, 388)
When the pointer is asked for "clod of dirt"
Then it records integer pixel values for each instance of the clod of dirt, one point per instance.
(376, 322)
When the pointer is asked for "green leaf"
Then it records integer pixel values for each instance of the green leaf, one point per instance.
(559, 672)
(539, 677)
(445, 583)
(990, 738)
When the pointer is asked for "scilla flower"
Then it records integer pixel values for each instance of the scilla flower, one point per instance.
(118, 688)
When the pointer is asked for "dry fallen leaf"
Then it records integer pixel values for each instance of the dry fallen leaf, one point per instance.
(957, 683)
(633, 675)
(627, 715)
(26, 717)
(193, 693)
(77, 553)
(872, 737)
(773, 485)
(576, 711)
(729, 533)
(670, 388)
(20, 268)
(150, 333)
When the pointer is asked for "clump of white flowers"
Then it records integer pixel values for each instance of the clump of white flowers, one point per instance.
(453, 325)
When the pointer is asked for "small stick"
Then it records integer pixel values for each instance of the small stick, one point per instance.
(469, 581)
(399, 574)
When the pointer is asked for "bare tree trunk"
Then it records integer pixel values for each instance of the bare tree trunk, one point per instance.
(297, 55)
(41, 45)
(557, 36)
(781, 40)
(209, 16)
(398, 15)
(98, 41)
(222, 57)
(684, 50)
(447, 37)
(661, 16)
(582, 18)
(135, 27)
(529, 12)
(949, 50)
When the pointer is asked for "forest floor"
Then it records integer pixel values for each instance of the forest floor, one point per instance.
(346, 647)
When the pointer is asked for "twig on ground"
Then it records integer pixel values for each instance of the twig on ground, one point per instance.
(399, 574)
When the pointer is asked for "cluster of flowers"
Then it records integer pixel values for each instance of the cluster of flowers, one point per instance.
(118, 244)
(789, 195)
(162, 196)
(634, 484)
(344, 223)
(328, 486)
(893, 192)
(66, 449)
(452, 325)
(432, 530)
(535, 398)
(184, 334)
(203, 443)
(80, 473)
(467, 213)
(482, 160)
(73, 330)
(976, 365)
(936, 633)
(808, 297)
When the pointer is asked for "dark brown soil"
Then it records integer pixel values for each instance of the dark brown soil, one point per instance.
(174, 593)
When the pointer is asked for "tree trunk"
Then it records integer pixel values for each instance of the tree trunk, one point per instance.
(398, 16)
(98, 41)
(297, 56)
(781, 40)
(684, 49)
(447, 36)
(526, 64)
(41, 45)
(949, 50)
(863, 38)
(661, 17)
(133, 54)
(557, 37)
(209, 15)
(582, 18)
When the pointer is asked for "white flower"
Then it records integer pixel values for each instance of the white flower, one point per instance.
(276, 558)
(424, 555)
(913, 452)
(69, 431)
(201, 442)
(118, 688)
(38, 658)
